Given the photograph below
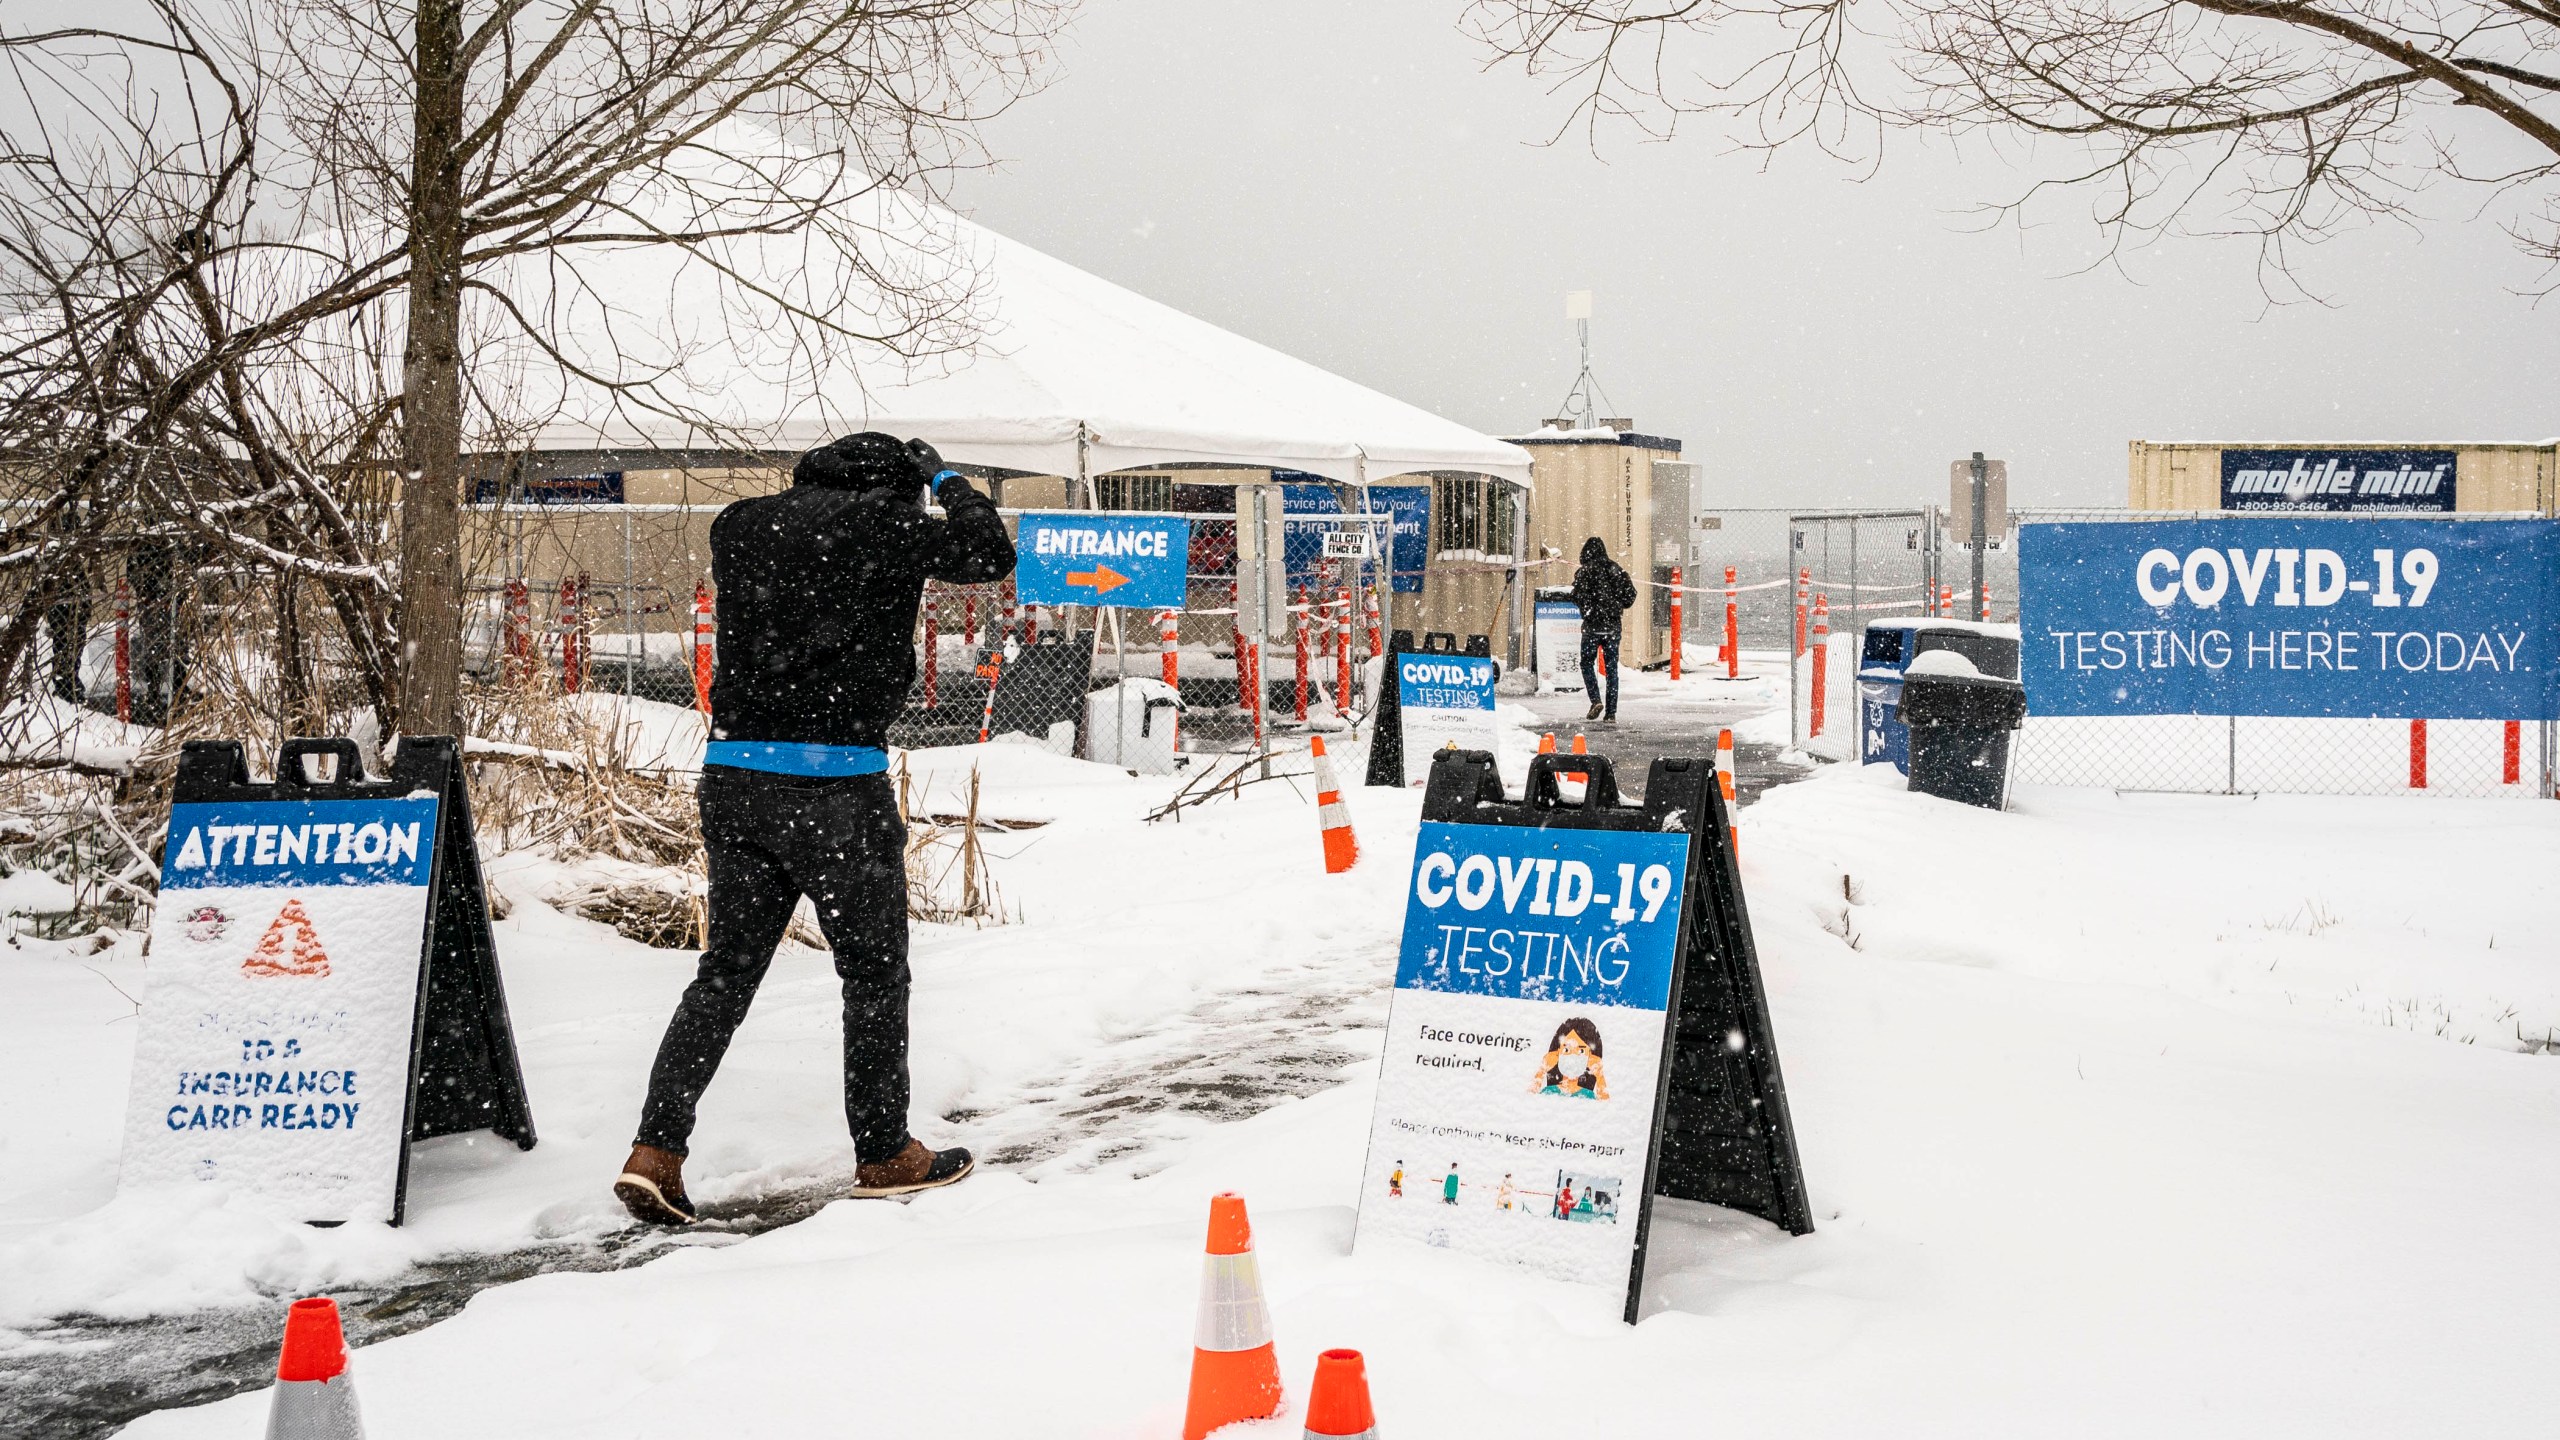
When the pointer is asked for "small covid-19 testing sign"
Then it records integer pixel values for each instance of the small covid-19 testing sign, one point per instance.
(1444, 700)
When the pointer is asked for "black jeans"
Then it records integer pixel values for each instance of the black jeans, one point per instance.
(772, 839)
(1594, 646)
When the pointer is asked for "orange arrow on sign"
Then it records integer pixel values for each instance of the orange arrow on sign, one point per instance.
(1102, 578)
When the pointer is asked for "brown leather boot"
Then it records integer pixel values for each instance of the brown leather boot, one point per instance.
(910, 1170)
(651, 1186)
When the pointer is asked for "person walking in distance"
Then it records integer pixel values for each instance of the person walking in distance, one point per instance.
(819, 587)
(1603, 591)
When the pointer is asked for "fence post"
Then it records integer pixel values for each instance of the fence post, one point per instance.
(702, 646)
(1298, 627)
(124, 653)
(1675, 622)
(1342, 656)
(2417, 754)
(932, 646)
(1821, 658)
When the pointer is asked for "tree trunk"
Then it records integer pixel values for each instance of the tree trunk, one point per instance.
(431, 580)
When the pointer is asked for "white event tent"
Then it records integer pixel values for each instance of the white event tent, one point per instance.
(1068, 374)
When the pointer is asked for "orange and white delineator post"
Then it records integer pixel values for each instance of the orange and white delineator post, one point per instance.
(1338, 1404)
(1986, 602)
(1675, 622)
(702, 646)
(1724, 786)
(1804, 602)
(1732, 629)
(1821, 659)
(315, 1397)
(1341, 847)
(1235, 1372)
(993, 673)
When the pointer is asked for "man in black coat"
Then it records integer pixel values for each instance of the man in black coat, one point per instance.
(818, 592)
(1603, 591)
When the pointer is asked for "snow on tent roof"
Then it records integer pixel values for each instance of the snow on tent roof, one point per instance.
(1056, 350)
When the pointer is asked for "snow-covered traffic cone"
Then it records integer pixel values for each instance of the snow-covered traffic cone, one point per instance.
(1338, 1406)
(315, 1397)
(1547, 743)
(1341, 847)
(1235, 1373)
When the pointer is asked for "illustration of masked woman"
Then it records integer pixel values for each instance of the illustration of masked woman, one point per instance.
(1572, 1066)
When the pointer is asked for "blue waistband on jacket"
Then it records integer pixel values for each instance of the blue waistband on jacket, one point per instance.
(786, 757)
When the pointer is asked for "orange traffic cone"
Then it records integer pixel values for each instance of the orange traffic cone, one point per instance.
(1547, 743)
(1341, 847)
(1338, 1407)
(1579, 748)
(1235, 1374)
(315, 1397)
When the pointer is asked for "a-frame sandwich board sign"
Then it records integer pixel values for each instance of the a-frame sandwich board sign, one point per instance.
(324, 985)
(1578, 1025)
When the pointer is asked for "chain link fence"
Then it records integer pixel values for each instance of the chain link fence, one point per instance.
(602, 599)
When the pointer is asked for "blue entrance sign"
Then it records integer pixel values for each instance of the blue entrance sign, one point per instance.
(1079, 558)
(2419, 619)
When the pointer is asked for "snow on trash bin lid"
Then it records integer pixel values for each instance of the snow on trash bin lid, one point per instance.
(1941, 662)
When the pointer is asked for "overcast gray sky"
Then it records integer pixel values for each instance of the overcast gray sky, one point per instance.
(1344, 182)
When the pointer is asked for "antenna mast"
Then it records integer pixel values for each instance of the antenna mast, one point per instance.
(1583, 401)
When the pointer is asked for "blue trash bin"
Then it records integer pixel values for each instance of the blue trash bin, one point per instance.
(1887, 652)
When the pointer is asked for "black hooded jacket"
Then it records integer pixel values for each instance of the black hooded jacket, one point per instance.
(819, 588)
(1603, 591)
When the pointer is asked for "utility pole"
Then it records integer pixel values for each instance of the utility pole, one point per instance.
(1981, 503)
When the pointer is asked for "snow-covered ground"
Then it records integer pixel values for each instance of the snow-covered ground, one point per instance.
(2121, 1115)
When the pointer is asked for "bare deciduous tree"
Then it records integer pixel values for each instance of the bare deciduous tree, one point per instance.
(2280, 119)
(218, 218)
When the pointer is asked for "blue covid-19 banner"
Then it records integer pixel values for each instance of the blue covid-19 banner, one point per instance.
(2418, 619)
